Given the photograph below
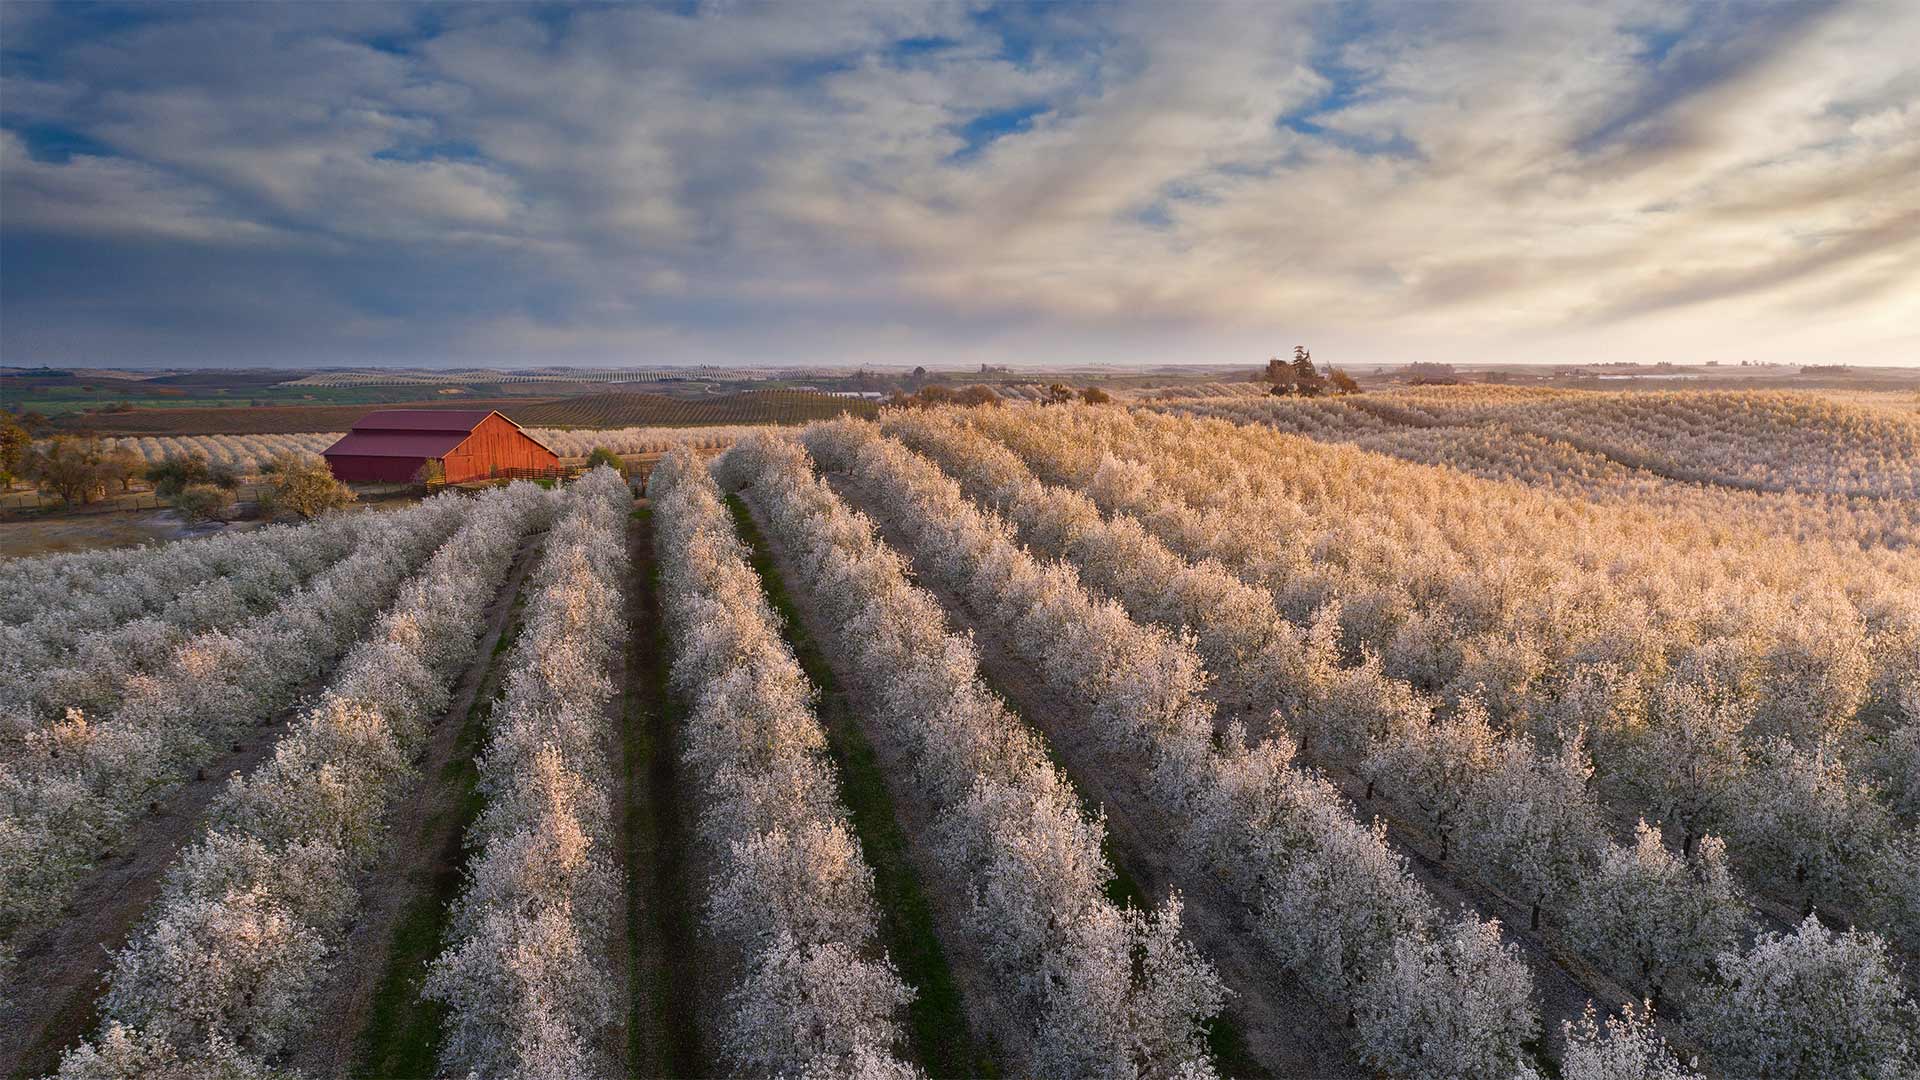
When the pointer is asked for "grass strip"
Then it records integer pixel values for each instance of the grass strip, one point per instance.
(403, 1034)
(1225, 1038)
(939, 1036)
(663, 1030)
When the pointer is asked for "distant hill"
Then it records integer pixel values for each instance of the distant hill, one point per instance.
(228, 377)
(613, 410)
(272, 420)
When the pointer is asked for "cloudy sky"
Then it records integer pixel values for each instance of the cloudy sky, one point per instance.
(1162, 181)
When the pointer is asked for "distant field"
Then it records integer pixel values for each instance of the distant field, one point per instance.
(1751, 440)
(1901, 401)
(273, 420)
(614, 410)
(656, 410)
(66, 395)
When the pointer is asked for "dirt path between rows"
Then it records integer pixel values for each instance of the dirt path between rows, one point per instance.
(1563, 981)
(1284, 1030)
(990, 1020)
(939, 1035)
(422, 860)
(61, 969)
(667, 993)
(616, 1038)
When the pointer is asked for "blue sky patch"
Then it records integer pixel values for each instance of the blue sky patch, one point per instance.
(983, 130)
(450, 150)
(56, 143)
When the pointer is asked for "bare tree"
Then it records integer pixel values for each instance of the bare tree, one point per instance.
(71, 467)
(14, 444)
(304, 487)
(122, 465)
(203, 502)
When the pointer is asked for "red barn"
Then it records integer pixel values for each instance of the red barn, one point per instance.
(391, 445)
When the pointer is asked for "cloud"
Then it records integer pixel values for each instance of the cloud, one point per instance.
(1131, 181)
(91, 196)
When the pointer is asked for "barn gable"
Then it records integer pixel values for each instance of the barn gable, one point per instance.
(391, 445)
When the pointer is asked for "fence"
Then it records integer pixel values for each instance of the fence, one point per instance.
(501, 476)
(25, 501)
(32, 501)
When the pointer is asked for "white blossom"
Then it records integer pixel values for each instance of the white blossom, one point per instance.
(1099, 991)
(1629, 1047)
(524, 977)
(1811, 1003)
(1655, 919)
(249, 918)
(1454, 1004)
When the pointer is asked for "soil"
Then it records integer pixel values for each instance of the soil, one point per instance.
(615, 1039)
(423, 854)
(263, 420)
(671, 987)
(61, 969)
(1285, 1031)
(1563, 981)
(53, 533)
(939, 1037)
(47, 532)
(68, 961)
(710, 970)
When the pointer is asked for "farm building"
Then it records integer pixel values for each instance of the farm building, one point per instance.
(392, 445)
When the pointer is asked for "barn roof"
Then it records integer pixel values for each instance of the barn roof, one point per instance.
(414, 433)
(420, 444)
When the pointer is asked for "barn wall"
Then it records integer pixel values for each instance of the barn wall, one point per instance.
(494, 447)
(364, 469)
